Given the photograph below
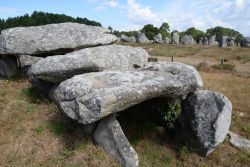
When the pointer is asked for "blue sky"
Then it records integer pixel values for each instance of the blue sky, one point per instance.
(133, 14)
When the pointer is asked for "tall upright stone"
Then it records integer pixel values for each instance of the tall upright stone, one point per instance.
(141, 37)
(205, 41)
(175, 38)
(223, 41)
(245, 42)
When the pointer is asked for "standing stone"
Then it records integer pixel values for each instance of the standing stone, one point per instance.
(245, 42)
(52, 39)
(8, 66)
(124, 38)
(223, 41)
(167, 40)
(158, 38)
(175, 38)
(141, 38)
(58, 68)
(206, 119)
(191, 40)
(185, 40)
(132, 39)
(212, 41)
(200, 41)
(205, 41)
(110, 137)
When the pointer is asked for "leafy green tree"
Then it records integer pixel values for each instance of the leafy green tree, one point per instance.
(42, 18)
(221, 31)
(110, 28)
(150, 31)
(196, 34)
(164, 30)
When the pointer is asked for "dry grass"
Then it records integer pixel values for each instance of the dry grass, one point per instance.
(33, 132)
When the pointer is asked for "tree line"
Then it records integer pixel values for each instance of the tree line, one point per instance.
(151, 31)
(41, 18)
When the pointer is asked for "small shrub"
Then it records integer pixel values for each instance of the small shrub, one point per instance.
(171, 115)
(58, 128)
(225, 66)
(39, 129)
(183, 153)
(243, 58)
(32, 94)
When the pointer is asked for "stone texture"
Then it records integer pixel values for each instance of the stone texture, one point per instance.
(205, 41)
(110, 137)
(124, 38)
(52, 39)
(8, 66)
(167, 40)
(175, 38)
(141, 37)
(206, 119)
(185, 40)
(27, 60)
(245, 42)
(90, 97)
(111, 57)
(158, 38)
(239, 141)
(223, 41)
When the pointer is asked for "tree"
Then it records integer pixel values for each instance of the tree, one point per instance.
(196, 34)
(164, 30)
(42, 18)
(110, 28)
(221, 31)
(150, 31)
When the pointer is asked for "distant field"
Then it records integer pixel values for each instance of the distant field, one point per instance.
(33, 132)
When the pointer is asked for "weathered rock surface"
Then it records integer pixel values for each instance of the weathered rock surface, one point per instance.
(167, 40)
(110, 137)
(124, 38)
(90, 97)
(185, 40)
(212, 41)
(141, 38)
(158, 38)
(206, 119)
(27, 60)
(205, 41)
(111, 57)
(175, 38)
(245, 42)
(239, 141)
(8, 66)
(52, 39)
(223, 41)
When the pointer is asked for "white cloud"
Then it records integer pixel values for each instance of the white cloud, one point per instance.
(112, 3)
(239, 3)
(99, 8)
(140, 13)
(12, 11)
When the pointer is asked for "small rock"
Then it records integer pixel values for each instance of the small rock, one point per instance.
(239, 141)
(110, 137)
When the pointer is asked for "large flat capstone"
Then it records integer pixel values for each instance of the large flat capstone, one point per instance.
(52, 38)
(111, 57)
(90, 97)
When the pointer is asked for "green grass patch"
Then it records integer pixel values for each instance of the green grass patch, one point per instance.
(32, 94)
(225, 66)
(58, 128)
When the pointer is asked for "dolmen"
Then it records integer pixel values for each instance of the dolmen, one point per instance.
(95, 80)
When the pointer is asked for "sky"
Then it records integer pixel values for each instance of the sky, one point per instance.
(134, 14)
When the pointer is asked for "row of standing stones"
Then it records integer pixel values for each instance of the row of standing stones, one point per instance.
(91, 80)
(185, 40)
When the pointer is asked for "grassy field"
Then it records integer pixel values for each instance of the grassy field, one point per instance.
(33, 132)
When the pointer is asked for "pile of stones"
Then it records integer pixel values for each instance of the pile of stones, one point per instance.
(91, 80)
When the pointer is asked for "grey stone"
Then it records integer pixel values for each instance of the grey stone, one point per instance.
(141, 38)
(27, 60)
(90, 97)
(223, 41)
(89, 128)
(200, 41)
(132, 39)
(8, 66)
(239, 141)
(167, 40)
(206, 119)
(205, 41)
(111, 57)
(186, 40)
(110, 137)
(52, 39)
(175, 38)
(124, 38)
(245, 42)
(158, 38)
